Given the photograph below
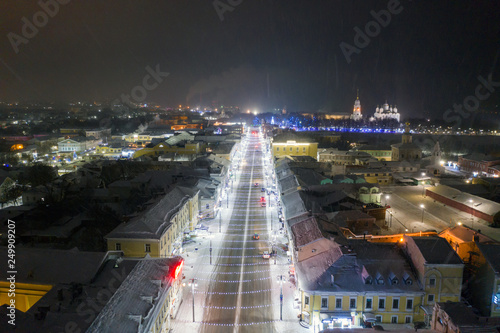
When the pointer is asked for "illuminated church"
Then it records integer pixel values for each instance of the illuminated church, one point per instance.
(356, 112)
(385, 112)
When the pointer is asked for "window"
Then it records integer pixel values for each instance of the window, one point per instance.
(338, 303)
(304, 149)
(147, 247)
(277, 148)
(394, 319)
(381, 303)
(369, 303)
(291, 148)
(324, 302)
(430, 298)
(306, 300)
(352, 303)
(378, 319)
(395, 303)
(409, 304)
(297, 149)
(432, 282)
(408, 319)
(118, 246)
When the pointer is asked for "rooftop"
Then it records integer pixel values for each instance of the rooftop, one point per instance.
(436, 250)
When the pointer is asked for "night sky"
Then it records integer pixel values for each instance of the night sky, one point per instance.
(263, 54)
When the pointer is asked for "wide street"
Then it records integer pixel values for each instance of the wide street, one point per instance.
(411, 209)
(235, 288)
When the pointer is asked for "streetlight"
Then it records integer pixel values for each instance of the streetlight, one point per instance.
(193, 284)
(387, 197)
(281, 296)
(423, 210)
(471, 212)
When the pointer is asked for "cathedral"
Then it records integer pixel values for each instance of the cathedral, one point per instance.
(356, 112)
(385, 112)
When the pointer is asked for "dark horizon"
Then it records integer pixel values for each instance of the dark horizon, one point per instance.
(262, 55)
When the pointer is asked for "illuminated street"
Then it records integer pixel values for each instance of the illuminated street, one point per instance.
(240, 291)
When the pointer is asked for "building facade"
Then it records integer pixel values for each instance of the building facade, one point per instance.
(293, 148)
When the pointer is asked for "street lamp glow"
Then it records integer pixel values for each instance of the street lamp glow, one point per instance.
(422, 206)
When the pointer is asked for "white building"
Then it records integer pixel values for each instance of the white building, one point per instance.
(356, 112)
(78, 144)
(385, 112)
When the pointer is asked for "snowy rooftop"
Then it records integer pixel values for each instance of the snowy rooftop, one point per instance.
(288, 184)
(306, 231)
(155, 220)
(47, 266)
(293, 205)
(360, 267)
(132, 304)
(436, 250)
(465, 234)
(491, 253)
(480, 204)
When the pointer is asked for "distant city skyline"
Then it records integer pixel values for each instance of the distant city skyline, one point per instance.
(424, 57)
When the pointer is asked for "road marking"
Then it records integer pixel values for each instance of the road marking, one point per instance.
(240, 286)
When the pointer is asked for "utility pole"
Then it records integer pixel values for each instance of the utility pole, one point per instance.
(281, 298)
(192, 291)
(210, 252)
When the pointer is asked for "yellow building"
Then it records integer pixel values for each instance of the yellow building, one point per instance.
(293, 148)
(372, 176)
(109, 150)
(357, 283)
(159, 231)
(439, 270)
(40, 270)
(381, 153)
(188, 148)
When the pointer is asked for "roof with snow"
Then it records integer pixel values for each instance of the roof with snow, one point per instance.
(153, 223)
(371, 268)
(480, 204)
(132, 307)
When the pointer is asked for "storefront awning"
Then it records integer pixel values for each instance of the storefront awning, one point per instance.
(369, 317)
(335, 315)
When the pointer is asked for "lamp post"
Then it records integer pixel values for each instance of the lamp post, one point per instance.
(210, 252)
(193, 284)
(281, 296)
(423, 210)
(387, 197)
(471, 213)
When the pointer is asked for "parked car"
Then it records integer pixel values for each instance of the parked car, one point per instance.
(256, 185)
(256, 236)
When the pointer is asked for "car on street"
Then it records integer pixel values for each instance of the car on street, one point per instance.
(263, 204)
(256, 185)
(256, 236)
(263, 189)
(266, 255)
